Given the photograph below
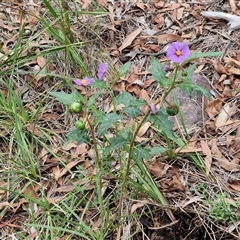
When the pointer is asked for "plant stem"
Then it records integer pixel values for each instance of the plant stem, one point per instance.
(98, 172)
(131, 147)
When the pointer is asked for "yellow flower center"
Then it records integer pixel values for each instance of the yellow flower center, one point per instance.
(178, 53)
(83, 81)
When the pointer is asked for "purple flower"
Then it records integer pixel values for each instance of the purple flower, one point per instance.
(84, 82)
(102, 70)
(113, 164)
(153, 108)
(178, 52)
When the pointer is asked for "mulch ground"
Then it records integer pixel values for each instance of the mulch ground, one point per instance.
(136, 31)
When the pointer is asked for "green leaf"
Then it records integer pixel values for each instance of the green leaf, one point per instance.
(126, 133)
(124, 98)
(133, 109)
(157, 150)
(93, 98)
(107, 121)
(190, 70)
(190, 87)
(131, 104)
(140, 153)
(66, 98)
(187, 86)
(80, 136)
(99, 84)
(115, 143)
(160, 120)
(158, 73)
(196, 55)
(124, 68)
(50, 8)
(91, 103)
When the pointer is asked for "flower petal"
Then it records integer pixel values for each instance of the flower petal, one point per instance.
(83, 82)
(102, 70)
(178, 52)
(88, 81)
(153, 108)
(78, 82)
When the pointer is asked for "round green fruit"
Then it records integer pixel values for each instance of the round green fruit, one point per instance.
(184, 73)
(172, 110)
(76, 107)
(80, 125)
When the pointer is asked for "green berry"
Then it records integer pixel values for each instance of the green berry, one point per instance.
(184, 73)
(80, 125)
(76, 107)
(172, 110)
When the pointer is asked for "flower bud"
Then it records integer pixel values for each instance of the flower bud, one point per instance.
(172, 110)
(80, 125)
(76, 107)
(153, 108)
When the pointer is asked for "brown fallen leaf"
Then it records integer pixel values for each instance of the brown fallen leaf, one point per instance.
(143, 129)
(144, 95)
(231, 61)
(234, 186)
(169, 37)
(170, 7)
(188, 149)
(80, 150)
(232, 65)
(102, 2)
(70, 166)
(187, 35)
(141, 139)
(129, 39)
(223, 116)
(32, 128)
(57, 174)
(171, 181)
(41, 61)
(134, 89)
(157, 168)
(230, 124)
(70, 145)
(158, 4)
(214, 107)
(4, 204)
(232, 166)
(238, 54)
(136, 206)
(208, 159)
(177, 183)
(235, 148)
(217, 66)
(180, 13)
(141, 5)
(198, 17)
(86, 4)
(233, 5)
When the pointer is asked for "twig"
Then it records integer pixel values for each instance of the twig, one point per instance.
(233, 21)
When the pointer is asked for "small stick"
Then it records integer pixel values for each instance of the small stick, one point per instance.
(233, 21)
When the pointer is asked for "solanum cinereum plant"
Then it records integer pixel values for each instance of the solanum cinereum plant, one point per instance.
(112, 134)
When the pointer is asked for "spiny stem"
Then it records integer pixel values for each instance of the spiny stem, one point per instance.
(99, 171)
(131, 147)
